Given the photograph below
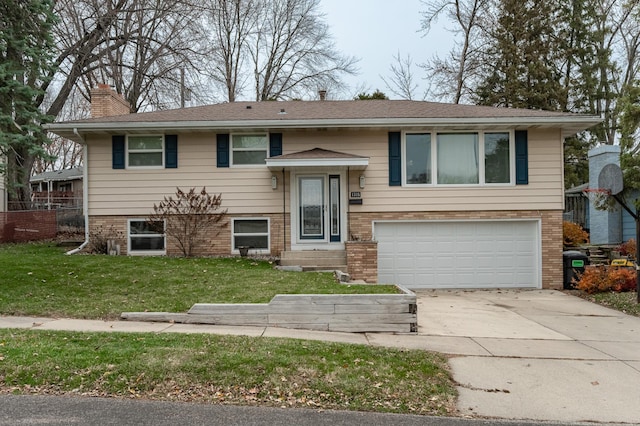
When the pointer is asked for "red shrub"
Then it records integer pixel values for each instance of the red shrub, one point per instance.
(622, 279)
(573, 235)
(592, 280)
(599, 279)
(628, 248)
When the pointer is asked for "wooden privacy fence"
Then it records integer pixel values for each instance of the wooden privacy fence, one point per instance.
(396, 313)
(33, 225)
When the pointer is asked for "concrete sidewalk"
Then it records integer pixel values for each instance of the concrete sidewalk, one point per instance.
(537, 354)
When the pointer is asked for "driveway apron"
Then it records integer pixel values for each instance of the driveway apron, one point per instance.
(535, 354)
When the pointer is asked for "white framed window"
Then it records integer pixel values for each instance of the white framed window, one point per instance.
(249, 149)
(252, 233)
(145, 151)
(146, 238)
(458, 158)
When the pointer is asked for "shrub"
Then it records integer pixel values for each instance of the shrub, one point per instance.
(190, 218)
(599, 279)
(100, 236)
(628, 248)
(592, 280)
(573, 234)
(622, 279)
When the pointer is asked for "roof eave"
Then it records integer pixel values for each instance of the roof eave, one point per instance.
(570, 122)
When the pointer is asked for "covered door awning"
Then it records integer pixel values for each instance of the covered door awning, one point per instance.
(318, 157)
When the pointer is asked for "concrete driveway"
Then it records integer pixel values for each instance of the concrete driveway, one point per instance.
(536, 354)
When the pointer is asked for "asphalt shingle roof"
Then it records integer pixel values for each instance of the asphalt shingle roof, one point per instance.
(319, 110)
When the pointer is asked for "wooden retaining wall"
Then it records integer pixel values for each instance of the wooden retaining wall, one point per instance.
(391, 313)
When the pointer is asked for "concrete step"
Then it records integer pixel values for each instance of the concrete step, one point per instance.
(314, 254)
(342, 268)
(318, 260)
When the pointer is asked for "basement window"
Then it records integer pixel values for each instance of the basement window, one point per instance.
(146, 238)
(252, 233)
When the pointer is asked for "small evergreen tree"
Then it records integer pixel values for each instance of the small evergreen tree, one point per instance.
(190, 218)
(371, 96)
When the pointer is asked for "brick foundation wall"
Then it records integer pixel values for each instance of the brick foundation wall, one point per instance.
(23, 226)
(115, 227)
(362, 260)
(362, 254)
(551, 239)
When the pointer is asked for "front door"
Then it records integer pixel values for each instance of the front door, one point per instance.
(319, 208)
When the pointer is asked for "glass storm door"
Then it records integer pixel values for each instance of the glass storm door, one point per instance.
(319, 208)
(312, 207)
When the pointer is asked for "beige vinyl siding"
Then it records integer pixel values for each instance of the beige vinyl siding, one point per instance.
(247, 190)
(133, 192)
(544, 191)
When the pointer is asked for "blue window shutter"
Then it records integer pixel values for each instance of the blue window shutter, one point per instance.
(275, 144)
(117, 151)
(395, 159)
(171, 151)
(522, 158)
(223, 149)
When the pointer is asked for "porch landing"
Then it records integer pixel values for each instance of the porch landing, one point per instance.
(316, 260)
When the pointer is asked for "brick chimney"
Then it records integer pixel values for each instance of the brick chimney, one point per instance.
(106, 102)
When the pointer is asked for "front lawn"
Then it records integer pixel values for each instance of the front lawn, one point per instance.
(626, 302)
(226, 370)
(40, 280)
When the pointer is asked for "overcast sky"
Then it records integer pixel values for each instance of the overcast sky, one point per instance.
(375, 30)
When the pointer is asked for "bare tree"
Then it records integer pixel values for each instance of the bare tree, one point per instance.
(138, 46)
(159, 41)
(619, 33)
(189, 218)
(232, 22)
(293, 53)
(401, 82)
(452, 75)
(83, 36)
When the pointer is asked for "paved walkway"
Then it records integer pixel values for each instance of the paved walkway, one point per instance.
(537, 354)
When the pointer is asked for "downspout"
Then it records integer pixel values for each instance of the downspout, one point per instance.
(349, 238)
(85, 192)
(284, 215)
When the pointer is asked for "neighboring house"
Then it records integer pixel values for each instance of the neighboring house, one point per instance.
(616, 225)
(62, 188)
(576, 205)
(427, 195)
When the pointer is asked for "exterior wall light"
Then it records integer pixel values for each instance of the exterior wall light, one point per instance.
(362, 181)
(274, 182)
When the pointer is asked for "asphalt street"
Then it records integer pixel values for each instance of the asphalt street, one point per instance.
(61, 410)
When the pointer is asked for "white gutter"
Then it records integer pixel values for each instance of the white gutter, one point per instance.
(524, 121)
(85, 193)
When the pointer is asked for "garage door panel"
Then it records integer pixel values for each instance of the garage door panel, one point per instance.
(483, 254)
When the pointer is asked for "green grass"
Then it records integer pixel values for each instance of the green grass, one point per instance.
(226, 369)
(624, 302)
(39, 279)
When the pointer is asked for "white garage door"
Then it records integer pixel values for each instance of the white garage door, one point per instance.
(492, 254)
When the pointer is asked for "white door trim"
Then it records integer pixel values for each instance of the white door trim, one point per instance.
(297, 243)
